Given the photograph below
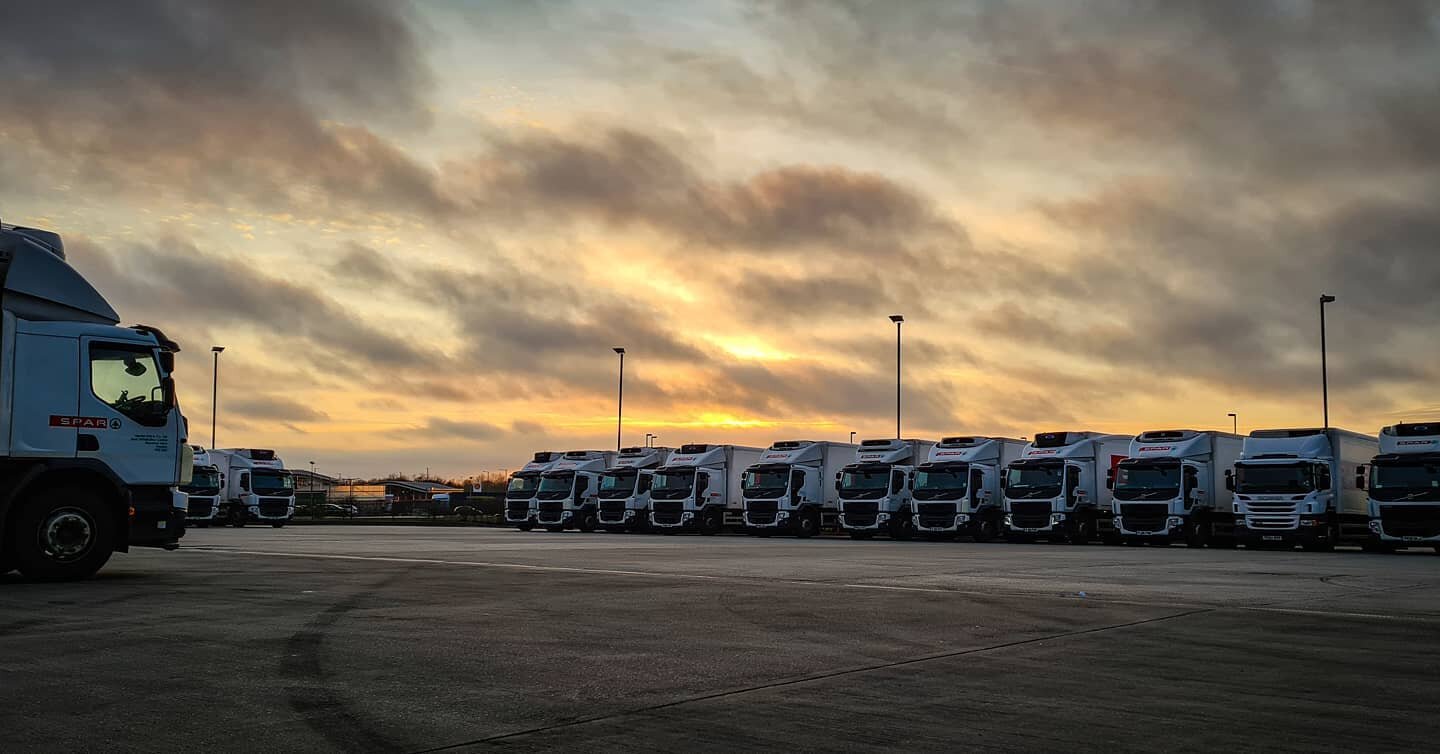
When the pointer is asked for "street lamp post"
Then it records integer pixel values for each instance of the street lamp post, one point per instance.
(1324, 367)
(620, 402)
(1234, 424)
(852, 437)
(312, 479)
(214, 392)
(897, 319)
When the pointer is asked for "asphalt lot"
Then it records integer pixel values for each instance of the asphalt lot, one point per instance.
(369, 638)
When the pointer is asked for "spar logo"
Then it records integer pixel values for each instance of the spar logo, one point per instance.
(1155, 449)
(83, 422)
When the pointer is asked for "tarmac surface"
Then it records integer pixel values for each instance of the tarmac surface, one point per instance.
(340, 638)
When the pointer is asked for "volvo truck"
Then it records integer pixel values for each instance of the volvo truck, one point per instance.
(1172, 488)
(874, 490)
(1057, 490)
(258, 489)
(791, 489)
(699, 488)
(92, 443)
(520, 500)
(203, 491)
(625, 489)
(1298, 486)
(569, 493)
(1404, 488)
(956, 491)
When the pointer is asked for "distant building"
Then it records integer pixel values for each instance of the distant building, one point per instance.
(397, 497)
(311, 487)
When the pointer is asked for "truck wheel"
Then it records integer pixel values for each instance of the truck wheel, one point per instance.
(808, 526)
(711, 523)
(525, 525)
(1197, 534)
(237, 518)
(987, 529)
(589, 522)
(63, 534)
(902, 529)
(1084, 532)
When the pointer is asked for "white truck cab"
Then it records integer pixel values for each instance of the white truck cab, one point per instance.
(520, 501)
(874, 489)
(957, 489)
(1056, 488)
(204, 490)
(790, 489)
(569, 493)
(625, 489)
(1172, 488)
(1299, 486)
(1404, 487)
(258, 488)
(699, 488)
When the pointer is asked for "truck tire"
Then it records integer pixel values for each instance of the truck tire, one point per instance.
(238, 517)
(902, 529)
(589, 521)
(807, 525)
(1084, 532)
(1197, 533)
(63, 534)
(987, 529)
(711, 522)
(525, 525)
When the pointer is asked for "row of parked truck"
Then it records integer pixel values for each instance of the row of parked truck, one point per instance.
(1312, 487)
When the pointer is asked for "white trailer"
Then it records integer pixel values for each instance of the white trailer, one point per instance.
(203, 491)
(699, 488)
(625, 489)
(92, 442)
(874, 489)
(957, 489)
(568, 495)
(1299, 486)
(1404, 487)
(1172, 487)
(520, 500)
(258, 488)
(791, 489)
(1056, 489)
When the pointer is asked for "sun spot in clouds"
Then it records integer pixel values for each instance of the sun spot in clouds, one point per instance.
(751, 349)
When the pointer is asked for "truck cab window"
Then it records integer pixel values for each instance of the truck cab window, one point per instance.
(245, 481)
(897, 482)
(127, 379)
(1072, 483)
(643, 485)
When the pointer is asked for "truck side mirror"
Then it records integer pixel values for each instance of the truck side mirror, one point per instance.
(1360, 472)
(167, 361)
(1110, 479)
(1230, 480)
(1322, 478)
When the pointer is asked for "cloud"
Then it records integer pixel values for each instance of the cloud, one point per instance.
(467, 430)
(260, 406)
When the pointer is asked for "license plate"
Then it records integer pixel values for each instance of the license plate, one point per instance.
(1414, 539)
(1272, 538)
(1031, 530)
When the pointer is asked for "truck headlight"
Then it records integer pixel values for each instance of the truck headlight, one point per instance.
(1057, 518)
(1375, 527)
(1174, 522)
(782, 515)
(881, 518)
(963, 518)
(687, 515)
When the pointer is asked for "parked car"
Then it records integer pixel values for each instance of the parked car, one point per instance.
(343, 510)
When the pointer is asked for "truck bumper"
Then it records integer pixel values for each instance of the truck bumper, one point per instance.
(1377, 530)
(958, 524)
(866, 522)
(1311, 531)
(629, 519)
(157, 517)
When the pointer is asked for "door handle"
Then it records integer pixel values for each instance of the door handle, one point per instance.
(89, 443)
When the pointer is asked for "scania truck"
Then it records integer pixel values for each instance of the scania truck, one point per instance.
(258, 488)
(92, 443)
(699, 488)
(957, 490)
(520, 500)
(1056, 489)
(1172, 488)
(203, 491)
(791, 490)
(1404, 486)
(625, 489)
(874, 490)
(1298, 486)
(569, 493)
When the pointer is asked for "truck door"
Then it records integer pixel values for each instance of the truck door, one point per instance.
(45, 420)
(1072, 485)
(797, 487)
(1190, 489)
(121, 383)
(979, 496)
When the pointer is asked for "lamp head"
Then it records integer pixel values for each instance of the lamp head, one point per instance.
(897, 318)
(618, 350)
(1326, 298)
(217, 349)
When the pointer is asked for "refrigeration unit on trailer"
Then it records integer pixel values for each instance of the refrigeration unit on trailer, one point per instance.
(520, 500)
(699, 488)
(1299, 486)
(257, 487)
(1172, 488)
(1404, 487)
(625, 489)
(957, 489)
(791, 489)
(568, 495)
(203, 491)
(1056, 489)
(874, 489)
(92, 442)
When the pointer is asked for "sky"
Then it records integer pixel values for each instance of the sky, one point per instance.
(420, 228)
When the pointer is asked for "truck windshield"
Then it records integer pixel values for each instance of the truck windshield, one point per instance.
(203, 481)
(127, 378)
(867, 482)
(1290, 478)
(618, 484)
(1400, 482)
(555, 485)
(267, 482)
(935, 484)
(1147, 481)
(522, 486)
(765, 483)
(1034, 482)
(672, 485)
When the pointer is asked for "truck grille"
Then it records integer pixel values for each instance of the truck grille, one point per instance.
(612, 511)
(549, 511)
(937, 515)
(1411, 520)
(201, 507)
(517, 510)
(761, 511)
(1144, 516)
(1273, 516)
(667, 511)
(860, 512)
(1030, 514)
(274, 507)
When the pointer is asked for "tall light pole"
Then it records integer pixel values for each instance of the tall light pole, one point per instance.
(852, 437)
(312, 478)
(620, 403)
(1234, 424)
(647, 439)
(1324, 367)
(897, 319)
(214, 392)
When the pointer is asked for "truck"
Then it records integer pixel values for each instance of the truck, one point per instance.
(1299, 486)
(520, 501)
(257, 487)
(1403, 482)
(957, 489)
(625, 489)
(568, 495)
(699, 488)
(1057, 490)
(93, 447)
(203, 490)
(1172, 488)
(791, 489)
(874, 489)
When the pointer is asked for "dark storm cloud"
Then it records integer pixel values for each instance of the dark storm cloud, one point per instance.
(260, 406)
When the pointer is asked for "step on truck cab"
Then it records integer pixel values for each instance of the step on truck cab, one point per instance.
(1056, 489)
(791, 490)
(203, 491)
(625, 489)
(257, 487)
(568, 495)
(92, 442)
(1404, 487)
(1172, 488)
(699, 488)
(1298, 486)
(520, 501)
(957, 489)
(874, 489)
